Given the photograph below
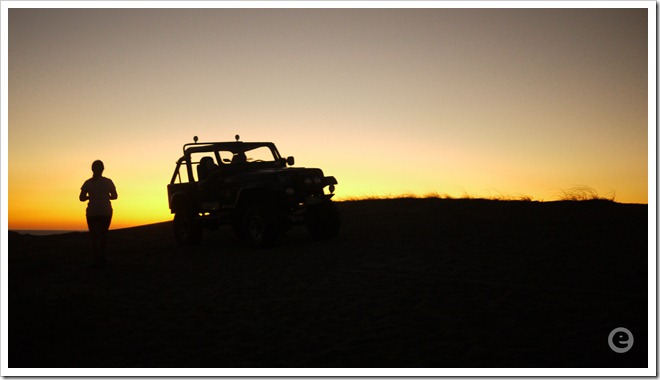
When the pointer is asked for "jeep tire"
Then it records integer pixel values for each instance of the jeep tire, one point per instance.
(259, 226)
(187, 229)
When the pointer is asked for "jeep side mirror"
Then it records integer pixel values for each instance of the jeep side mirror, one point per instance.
(290, 161)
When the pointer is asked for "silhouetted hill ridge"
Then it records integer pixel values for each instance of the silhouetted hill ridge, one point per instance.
(406, 283)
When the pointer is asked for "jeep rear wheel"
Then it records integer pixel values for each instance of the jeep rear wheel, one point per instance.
(187, 229)
(323, 221)
(259, 227)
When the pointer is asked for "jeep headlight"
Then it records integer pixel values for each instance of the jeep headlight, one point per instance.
(289, 191)
(308, 181)
(317, 180)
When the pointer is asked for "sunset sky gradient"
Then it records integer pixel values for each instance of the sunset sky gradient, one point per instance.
(479, 102)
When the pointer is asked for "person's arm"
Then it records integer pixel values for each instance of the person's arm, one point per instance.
(83, 195)
(113, 191)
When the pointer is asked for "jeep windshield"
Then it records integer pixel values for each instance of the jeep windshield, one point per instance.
(225, 158)
(247, 153)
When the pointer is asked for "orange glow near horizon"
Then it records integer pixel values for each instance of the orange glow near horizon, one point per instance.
(456, 102)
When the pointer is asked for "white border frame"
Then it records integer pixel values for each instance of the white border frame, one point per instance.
(379, 372)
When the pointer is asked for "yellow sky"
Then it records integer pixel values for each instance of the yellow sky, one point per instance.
(483, 102)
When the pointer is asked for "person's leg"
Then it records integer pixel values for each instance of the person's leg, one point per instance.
(97, 237)
(104, 226)
(95, 225)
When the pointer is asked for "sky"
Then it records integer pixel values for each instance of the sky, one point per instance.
(459, 102)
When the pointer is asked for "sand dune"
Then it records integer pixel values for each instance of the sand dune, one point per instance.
(407, 283)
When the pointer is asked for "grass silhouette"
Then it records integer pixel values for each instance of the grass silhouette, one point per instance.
(578, 193)
(584, 193)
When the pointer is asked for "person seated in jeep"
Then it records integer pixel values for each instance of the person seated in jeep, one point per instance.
(239, 158)
(206, 167)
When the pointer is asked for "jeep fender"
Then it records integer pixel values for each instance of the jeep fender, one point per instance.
(250, 195)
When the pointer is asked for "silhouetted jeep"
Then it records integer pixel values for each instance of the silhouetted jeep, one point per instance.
(248, 185)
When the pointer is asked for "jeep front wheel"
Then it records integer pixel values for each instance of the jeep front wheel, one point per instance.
(187, 229)
(259, 227)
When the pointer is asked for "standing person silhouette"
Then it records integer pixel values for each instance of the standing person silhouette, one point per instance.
(99, 191)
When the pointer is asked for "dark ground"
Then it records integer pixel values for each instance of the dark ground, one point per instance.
(407, 283)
